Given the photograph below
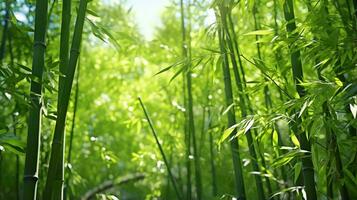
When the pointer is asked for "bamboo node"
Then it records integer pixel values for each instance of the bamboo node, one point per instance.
(75, 51)
(30, 177)
(39, 43)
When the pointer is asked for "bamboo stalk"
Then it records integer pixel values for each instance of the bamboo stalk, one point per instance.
(178, 193)
(243, 98)
(191, 124)
(35, 110)
(237, 165)
(266, 90)
(307, 165)
(55, 178)
(212, 156)
(5, 31)
(90, 194)
(69, 156)
(17, 162)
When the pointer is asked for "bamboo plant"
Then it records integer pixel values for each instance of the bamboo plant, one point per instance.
(55, 178)
(35, 113)
(237, 165)
(242, 99)
(297, 71)
(191, 124)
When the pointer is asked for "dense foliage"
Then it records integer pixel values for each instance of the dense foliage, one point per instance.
(252, 99)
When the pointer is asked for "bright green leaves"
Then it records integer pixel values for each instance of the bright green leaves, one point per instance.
(11, 143)
(295, 140)
(297, 171)
(306, 104)
(183, 65)
(238, 129)
(103, 33)
(294, 153)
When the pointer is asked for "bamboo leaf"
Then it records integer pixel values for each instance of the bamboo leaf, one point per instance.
(295, 140)
(91, 12)
(305, 105)
(227, 109)
(227, 133)
(353, 108)
(249, 125)
(297, 170)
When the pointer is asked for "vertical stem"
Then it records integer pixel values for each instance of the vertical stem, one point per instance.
(191, 124)
(268, 101)
(5, 31)
(243, 101)
(35, 110)
(178, 193)
(212, 156)
(55, 178)
(69, 156)
(307, 165)
(17, 160)
(237, 165)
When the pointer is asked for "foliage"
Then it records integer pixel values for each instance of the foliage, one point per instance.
(283, 106)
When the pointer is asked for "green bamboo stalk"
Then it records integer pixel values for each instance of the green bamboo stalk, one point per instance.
(242, 103)
(307, 165)
(55, 178)
(35, 110)
(355, 9)
(17, 171)
(212, 156)
(2, 56)
(196, 155)
(5, 31)
(178, 193)
(63, 67)
(17, 162)
(189, 108)
(278, 60)
(237, 165)
(188, 144)
(266, 90)
(69, 156)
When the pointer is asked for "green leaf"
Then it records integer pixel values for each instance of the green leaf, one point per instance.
(338, 82)
(305, 105)
(227, 133)
(353, 108)
(91, 12)
(14, 149)
(227, 109)
(11, 139)
(248, 125)
(180, 62)
(288, 157)
(295, 140)
(297, 170)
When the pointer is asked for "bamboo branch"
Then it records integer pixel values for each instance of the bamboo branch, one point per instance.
(106, 185)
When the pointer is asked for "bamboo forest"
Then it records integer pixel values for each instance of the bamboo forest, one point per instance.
(195, 100)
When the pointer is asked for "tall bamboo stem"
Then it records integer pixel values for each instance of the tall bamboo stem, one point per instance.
(307, 165)
(243, 105)
(55, 178)
(237, 165)
(35, 111)
(173, 181)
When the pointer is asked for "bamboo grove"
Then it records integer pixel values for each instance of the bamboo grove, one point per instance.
(228, 99)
